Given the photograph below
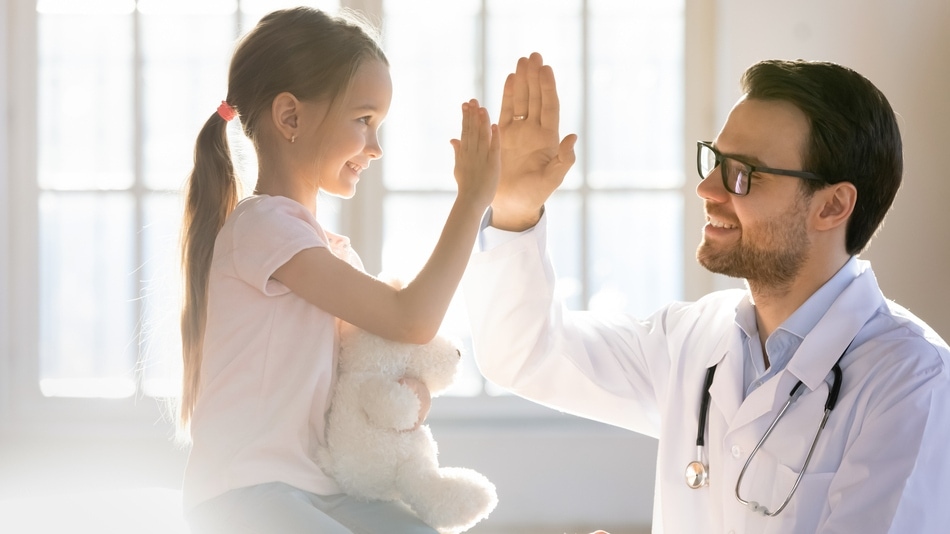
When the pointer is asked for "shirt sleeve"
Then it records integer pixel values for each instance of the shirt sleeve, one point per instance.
(490, 237)
(266, 236)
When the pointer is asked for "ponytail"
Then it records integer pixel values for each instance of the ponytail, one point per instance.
(212, 194)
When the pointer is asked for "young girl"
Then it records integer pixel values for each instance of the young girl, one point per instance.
(266, 285)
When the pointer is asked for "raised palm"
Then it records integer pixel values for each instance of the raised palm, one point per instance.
(534, 160)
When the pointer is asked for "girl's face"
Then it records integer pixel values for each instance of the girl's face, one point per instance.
(348, 137)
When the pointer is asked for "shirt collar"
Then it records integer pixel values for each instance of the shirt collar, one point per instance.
(804, 319)
(787, 338)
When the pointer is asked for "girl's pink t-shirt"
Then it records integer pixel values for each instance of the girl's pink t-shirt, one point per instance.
(269, 358)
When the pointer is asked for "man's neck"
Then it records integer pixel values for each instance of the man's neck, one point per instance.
(773, 305)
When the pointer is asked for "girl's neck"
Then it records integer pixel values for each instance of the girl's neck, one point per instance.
(269, 183)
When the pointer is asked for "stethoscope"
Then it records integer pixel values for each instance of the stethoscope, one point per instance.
(697, 472)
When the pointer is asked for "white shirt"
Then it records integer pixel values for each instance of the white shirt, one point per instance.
(880, 465)
(269, 358)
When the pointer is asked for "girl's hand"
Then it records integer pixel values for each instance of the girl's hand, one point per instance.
(425, 398)
(477, 156)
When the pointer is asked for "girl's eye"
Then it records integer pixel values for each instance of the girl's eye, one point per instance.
(365, 120)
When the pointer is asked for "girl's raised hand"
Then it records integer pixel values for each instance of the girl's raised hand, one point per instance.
(477, 156)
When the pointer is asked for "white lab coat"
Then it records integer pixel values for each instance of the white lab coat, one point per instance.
(880, 465)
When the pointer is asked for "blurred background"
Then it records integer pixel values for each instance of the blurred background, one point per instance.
(104, 99)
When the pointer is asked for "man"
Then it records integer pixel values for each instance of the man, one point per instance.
(794, 186)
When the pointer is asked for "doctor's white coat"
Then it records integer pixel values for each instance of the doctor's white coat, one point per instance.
(881, 464)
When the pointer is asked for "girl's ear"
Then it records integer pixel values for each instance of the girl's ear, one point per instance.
(837, 204)
(284, 113)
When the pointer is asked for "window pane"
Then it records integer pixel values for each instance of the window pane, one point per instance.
(85, 98)
(552, 28)
(161, 295)
(636, 113)
(636, 251)
(87, 294)
(185, 60)
(434, 68)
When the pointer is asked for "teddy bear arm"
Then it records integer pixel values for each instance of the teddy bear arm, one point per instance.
(389, 404)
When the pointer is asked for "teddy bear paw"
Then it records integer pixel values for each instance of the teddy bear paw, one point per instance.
(455, 501)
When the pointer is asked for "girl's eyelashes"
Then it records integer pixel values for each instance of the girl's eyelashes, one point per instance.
(365, 119)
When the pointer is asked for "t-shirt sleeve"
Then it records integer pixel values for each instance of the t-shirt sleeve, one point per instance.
(268, 235)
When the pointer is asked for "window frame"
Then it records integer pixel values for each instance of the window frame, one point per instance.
(23, 409)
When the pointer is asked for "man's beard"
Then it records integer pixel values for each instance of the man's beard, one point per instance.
(773, 267)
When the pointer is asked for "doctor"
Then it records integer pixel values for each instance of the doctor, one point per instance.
(806, 403)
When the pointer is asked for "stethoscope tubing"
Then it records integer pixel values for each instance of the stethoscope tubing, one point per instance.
(792, 397)
(697, 472)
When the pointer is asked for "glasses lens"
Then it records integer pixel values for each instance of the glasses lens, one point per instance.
(707, 161)
(736, 176)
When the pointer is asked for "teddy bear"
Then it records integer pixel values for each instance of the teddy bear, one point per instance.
(376, 447)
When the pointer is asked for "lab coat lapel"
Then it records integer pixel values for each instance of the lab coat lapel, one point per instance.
(822, 347)
(727, 393)
(811, 363)
(726, 390)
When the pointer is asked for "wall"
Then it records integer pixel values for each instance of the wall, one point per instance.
(902, 47)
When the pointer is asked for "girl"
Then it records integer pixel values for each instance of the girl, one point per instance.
(266, 285)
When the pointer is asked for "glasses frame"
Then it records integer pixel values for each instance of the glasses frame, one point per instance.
(805, 175)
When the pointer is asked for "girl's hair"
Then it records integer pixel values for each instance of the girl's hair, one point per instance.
(302, 51)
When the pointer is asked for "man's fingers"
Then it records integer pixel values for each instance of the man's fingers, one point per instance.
(535, 96)
(550, 110)
(520, 90)
(507, 100)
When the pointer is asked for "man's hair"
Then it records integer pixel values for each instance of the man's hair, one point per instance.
(854, 134)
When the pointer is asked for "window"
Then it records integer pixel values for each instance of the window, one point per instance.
(616, 227)
(123, 86)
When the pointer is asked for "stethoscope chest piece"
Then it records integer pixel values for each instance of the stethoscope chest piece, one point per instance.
(697, 475)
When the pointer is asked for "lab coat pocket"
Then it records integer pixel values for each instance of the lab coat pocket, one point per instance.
(807, 503)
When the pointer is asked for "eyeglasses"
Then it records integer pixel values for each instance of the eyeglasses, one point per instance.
(736, 175)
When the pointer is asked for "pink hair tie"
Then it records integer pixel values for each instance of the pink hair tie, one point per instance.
(226, 111)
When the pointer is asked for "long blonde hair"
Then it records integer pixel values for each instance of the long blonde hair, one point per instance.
(303, 51)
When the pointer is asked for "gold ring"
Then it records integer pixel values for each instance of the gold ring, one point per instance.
(519, 117)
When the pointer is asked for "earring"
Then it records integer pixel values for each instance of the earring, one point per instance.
(293, 138)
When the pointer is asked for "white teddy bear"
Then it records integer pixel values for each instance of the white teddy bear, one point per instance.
(377, 448)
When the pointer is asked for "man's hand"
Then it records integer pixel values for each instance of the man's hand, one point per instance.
(533, 162)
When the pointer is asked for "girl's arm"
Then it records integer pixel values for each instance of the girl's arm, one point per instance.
(414, 313)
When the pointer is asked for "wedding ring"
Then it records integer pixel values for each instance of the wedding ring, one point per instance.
(519, 117)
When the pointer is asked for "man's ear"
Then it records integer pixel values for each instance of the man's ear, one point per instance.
(837, 204)
(284, 113)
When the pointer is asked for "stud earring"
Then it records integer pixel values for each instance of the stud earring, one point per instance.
(293, 138)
